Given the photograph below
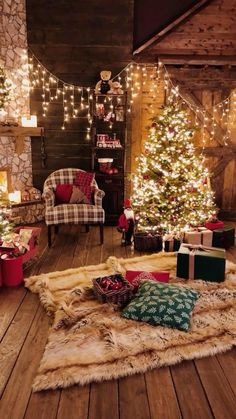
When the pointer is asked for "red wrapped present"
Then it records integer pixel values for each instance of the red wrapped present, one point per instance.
(214, 225)
(12, 270)
(134, 277)
(34, 234)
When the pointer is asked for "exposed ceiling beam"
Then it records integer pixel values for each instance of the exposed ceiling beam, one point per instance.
(197, 59)
(190, 12)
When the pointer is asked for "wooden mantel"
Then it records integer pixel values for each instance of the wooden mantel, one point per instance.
(19, 133)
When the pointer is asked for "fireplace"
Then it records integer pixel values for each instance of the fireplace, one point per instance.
(5, 183)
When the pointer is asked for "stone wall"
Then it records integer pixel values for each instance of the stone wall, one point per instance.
(13, 57)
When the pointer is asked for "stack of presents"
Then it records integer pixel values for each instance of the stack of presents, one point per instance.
(201, 251)
(17, 249)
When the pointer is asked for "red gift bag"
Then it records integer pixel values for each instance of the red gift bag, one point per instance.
(12, 270)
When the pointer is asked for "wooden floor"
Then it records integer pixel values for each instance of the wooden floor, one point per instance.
(201, 389)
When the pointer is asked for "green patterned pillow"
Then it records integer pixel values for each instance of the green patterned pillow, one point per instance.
(164, 304)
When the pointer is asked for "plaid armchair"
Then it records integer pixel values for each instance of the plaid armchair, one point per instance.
(71, 213)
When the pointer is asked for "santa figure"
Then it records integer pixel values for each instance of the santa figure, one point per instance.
(126, 223)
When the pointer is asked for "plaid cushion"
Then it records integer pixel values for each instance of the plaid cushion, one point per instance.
(84, 181)
(74, 213)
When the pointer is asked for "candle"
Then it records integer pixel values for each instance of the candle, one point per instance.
(15, 197)
(30, 121)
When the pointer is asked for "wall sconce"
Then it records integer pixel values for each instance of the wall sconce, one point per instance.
(30, 121)
(15, 197)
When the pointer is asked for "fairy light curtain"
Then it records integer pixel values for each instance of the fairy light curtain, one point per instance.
(76, 100)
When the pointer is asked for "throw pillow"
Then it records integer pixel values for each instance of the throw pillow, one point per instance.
(63, 193)
(164, 304)
(78, 197)
(84, 181)
(134, 277)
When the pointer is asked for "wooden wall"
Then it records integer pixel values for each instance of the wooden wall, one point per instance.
(210, 32)
(199, 55)
(74, 40)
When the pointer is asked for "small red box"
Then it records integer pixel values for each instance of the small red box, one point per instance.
(214, 226)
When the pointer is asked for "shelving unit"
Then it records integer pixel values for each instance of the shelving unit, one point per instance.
(109, 136)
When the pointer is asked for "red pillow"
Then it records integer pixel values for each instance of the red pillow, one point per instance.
(63, 193)
(84, 181)
(134, 277)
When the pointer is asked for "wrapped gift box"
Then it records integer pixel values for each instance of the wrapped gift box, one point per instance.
(201, 236)
(224, 237)
(172, 245)
(201, 262)
(134, 277)
(214, 225)
(33, 242)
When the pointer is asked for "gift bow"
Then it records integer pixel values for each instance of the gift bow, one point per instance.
(193, 248)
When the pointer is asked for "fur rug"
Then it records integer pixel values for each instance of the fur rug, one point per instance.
(90, 341)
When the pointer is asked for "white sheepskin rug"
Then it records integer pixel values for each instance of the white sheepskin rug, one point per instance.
(90, 341)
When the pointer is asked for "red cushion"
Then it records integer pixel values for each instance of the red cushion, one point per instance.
(84, 181)
(134, 277)
(63, 193)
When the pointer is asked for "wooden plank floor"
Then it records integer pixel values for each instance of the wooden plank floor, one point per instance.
(201, 389)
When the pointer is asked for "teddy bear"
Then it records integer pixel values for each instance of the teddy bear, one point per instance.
(105, 84)
(126, 223)
(116, 89)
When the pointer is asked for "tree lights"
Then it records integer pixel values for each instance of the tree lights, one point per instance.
(171, 190)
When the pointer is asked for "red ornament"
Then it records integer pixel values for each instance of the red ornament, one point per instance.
(145, 177)
(154, 125)
(116, 286)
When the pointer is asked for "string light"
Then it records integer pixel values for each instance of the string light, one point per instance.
(136, 77)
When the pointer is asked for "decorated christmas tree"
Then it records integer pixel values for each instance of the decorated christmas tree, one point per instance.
(6, 225)
(171, 186)
(4, 89)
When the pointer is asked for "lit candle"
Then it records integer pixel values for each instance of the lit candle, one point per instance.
(15, 197)
(29, 121)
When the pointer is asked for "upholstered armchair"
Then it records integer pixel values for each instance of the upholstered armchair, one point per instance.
(71, 213)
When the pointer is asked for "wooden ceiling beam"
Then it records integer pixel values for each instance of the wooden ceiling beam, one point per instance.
(197, 60)
(157, 37)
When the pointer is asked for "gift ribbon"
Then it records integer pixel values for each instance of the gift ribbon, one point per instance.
(193, 248)
(171, 245)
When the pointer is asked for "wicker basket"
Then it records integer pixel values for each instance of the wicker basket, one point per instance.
(147, 242)
(121, 296)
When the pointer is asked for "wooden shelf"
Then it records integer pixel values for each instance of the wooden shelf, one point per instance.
(19, 133)
(27, 203)
(9, 131)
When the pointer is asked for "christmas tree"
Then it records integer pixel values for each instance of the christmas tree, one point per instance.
(170, 186)
(5, 224)
(4, 89)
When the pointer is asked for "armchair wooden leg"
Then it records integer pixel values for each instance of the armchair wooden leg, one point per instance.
(56, 228)
(49, 236)
(101, 233)
(87, 228)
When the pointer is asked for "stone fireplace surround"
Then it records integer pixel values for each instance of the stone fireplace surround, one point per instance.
(13, 44)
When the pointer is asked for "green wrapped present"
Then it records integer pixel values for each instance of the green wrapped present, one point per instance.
(224, 237)
(201, 262)
(172, 245)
